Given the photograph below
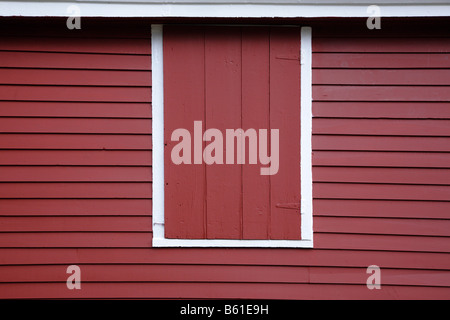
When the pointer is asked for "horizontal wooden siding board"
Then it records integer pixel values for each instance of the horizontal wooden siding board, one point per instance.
(213, 256)
(59, 109)
(74, 174)
(56, 60)
(75, 141)
(72, 44)
(64, 125)
(49, 190)
(75, 158)
(219, 290)
(75, 207)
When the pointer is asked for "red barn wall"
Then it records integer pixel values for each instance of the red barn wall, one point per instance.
(75, 171)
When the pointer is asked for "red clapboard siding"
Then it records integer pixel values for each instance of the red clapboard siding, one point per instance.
(75, 239)
(64, 125)
(360, 225)
(75, 141)
(76, 77)
(208, 273)
(75, 157)
(382, 77)
(436, 176)
(381, 191)
(380, 60)
(372, 44)
(72, 93)
(74, 173)
(75, 224)
(429, 28)
(74, 109)
(229, 290)
(72, 44)
(13, 190)
(386, 127)
(326, 190)
(212, 256)
(390, 277)
(121, 29)
(382, 208)
(380, 143)
(60, 186)
(167, 273)
(57, 60)
(75, 207)
(399, 110)
(381, 242)
(382, 159)
(380, 93)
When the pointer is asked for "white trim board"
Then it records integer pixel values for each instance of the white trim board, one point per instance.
(159, 239)
(157, 133)
(306, 132)
(219, 9)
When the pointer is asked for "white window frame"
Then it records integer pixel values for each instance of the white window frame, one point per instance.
(306, 208)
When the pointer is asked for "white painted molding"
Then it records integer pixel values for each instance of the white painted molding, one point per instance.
(157, 132)
(306, 133)
(223, 9)
(208, 243)
(159, 239)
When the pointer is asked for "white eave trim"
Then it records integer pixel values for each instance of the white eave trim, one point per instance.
(217, 10)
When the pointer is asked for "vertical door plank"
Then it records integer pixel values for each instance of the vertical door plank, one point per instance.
(184, 98)
(223, 111)
(255, 115)
(285, 116)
